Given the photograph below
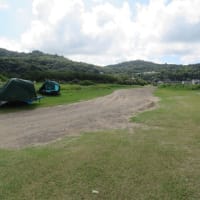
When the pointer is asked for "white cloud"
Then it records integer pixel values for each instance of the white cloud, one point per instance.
(3, 5)
(105, 33)
(9, 44)
(100, 33)
(169, 28)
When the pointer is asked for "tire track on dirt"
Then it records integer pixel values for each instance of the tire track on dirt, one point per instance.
(44, 125)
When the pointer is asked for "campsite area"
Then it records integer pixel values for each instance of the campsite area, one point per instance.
(154, 155)
(70, 93)
(100, 100)
(46, 124)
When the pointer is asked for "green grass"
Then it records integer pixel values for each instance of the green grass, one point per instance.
(69, 94)
(158, 162)
(75, 93)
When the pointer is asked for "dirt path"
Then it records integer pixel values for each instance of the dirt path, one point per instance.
(47, 124)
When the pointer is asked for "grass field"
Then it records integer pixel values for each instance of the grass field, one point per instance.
(69, 94)
(158, 162)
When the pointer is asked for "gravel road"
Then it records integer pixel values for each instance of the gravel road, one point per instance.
(44, 125)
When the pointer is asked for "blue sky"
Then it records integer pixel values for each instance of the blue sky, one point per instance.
(104, 31)
(15, 18)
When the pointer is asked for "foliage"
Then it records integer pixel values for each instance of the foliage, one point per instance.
(3, 78)
(180, 86)
(86, 82)
(152, 72)
(39, 66)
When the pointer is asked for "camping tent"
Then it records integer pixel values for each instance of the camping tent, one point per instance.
(18, 90)
(50, 88)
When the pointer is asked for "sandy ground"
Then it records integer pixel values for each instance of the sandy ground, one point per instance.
(44, 125)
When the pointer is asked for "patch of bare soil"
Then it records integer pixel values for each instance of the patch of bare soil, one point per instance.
(44, 125)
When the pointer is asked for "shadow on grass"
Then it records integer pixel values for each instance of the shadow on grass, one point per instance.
(17, 106)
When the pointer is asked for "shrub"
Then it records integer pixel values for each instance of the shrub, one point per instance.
(86, 82)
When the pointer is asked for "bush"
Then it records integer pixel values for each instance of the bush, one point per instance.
(74, 81)
(2, 78)
(86, 82)
(133, 82)
(180, 86)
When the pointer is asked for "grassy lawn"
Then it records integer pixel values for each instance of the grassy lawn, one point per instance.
(69, 94)
(158, 162)
(75, 93)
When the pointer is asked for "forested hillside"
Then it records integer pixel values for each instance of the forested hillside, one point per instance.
(152, 71)
(39, 66)
(36, 60)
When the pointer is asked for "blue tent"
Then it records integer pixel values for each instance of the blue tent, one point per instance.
(50, 88)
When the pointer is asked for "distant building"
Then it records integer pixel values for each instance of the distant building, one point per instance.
(186, 82)
(195, 81)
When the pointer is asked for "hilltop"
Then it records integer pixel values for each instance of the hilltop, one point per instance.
(140, 66)
(152, 71)
(37, 65)
(40, 66)
(19, 64)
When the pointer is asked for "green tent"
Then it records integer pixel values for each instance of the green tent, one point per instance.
(18, 90)
(50, 88)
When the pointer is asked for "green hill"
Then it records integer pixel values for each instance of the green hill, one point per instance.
(18, 64)
(153, 71)
(140, 66)
(40, 66)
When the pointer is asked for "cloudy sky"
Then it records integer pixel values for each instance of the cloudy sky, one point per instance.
(104, 31)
